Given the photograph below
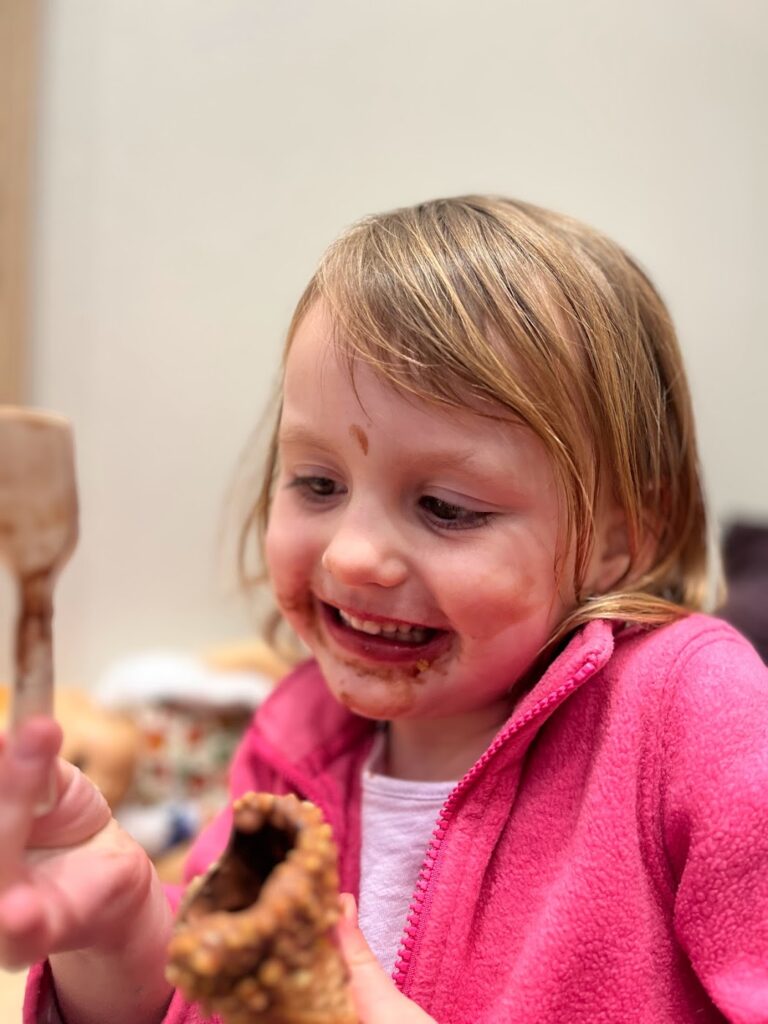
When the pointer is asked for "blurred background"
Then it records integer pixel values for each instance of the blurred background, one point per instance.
(172, 170)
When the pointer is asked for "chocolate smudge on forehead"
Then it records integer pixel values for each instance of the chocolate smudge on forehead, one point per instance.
(360, 436)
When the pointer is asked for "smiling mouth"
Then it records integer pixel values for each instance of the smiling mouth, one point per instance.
(401, 632)
(386, 639)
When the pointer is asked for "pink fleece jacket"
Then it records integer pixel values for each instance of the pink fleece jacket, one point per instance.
(604, 862)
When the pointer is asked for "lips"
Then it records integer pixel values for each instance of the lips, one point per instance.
(383, 640)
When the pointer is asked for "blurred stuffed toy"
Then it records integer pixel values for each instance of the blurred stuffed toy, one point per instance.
(103, 744)
(190, 713)
(157, 733)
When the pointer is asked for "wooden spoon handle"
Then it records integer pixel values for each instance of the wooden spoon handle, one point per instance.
(38, 531)
(33, 689)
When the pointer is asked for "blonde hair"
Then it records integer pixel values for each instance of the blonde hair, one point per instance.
(514, 311)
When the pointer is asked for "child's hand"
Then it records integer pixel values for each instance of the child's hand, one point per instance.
(76, 889)
(53, 875)
(377, 1000)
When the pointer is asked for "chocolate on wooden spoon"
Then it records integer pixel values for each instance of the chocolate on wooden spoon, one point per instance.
(253, 939)
(38, 532)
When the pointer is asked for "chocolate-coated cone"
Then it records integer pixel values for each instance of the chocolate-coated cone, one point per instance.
(253, 940)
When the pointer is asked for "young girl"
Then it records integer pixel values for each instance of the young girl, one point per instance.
(546, 773)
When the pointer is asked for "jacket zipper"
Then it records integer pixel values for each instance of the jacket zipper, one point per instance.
(422, 896)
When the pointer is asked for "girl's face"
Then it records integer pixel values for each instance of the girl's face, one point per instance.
(415, 550)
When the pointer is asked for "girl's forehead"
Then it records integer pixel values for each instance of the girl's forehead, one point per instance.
(339, 405)
(322, 367)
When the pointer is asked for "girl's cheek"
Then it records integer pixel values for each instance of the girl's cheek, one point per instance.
(285, 551)
(289, 562)
(273, 547)
(496, 606)
(279, 553)
(482, 597)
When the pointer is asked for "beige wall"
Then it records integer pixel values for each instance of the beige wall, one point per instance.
(196, 156)
(19, 33)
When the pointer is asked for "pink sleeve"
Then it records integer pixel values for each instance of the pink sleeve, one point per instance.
(714, 811)
(40, 999)
(40, 1006)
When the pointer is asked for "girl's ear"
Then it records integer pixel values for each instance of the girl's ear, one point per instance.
(610, 559)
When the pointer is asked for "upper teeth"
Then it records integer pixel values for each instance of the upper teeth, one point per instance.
(398, 631)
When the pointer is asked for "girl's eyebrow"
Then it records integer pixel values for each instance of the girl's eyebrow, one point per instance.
(468, 460)
(441, 458)
(298, 434)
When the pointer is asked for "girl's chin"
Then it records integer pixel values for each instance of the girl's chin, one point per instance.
(380, 694)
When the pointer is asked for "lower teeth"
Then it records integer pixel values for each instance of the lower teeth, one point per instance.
(415, 636)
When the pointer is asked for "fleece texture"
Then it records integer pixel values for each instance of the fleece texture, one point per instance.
(604, 862)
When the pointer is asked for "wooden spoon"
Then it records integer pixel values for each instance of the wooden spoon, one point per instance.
(38, 532)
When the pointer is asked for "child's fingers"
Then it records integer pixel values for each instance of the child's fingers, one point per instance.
(26, 765)
(376, 999)
(79, 813)
(23, 927)
(37, 736)
(360, 959)
(371, 986)
(26, 769)
(348, 907)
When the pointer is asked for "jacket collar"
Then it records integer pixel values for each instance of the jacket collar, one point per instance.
(584, 656)
(302, 719)
(586, 653)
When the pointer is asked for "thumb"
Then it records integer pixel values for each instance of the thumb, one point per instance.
(27, 760)
(371, 986)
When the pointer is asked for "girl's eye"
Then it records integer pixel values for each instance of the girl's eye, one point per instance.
(453, 517)
(315, 487)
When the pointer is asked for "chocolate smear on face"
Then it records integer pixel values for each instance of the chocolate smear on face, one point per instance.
(360, 436)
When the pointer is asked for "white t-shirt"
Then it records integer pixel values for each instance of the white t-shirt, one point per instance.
(398, 819)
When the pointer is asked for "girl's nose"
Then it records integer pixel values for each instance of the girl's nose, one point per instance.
(355, 558)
